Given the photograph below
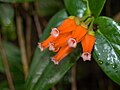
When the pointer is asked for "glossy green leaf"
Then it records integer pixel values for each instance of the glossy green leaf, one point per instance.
(16, 1)
(107, 47)
(43, 73)
(48, 8)
(77, 7)
(7, 21)
(96, 6)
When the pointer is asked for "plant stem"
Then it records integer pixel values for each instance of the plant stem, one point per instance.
(73, 77)
(117, 17)
(6, 65)
(37, 23)
(108, 8)
(91, 24)
(28, 37)
(54, 88)
(22, 44)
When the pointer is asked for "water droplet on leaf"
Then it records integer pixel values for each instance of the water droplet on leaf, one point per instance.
(100, 61)
(114, 66)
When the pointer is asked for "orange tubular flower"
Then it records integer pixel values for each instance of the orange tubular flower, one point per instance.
(67, 25)
(77, 36)
(65, 37)
(59, 42)
(87, 45)
(64, 51)
(54, 34)
(43, 45)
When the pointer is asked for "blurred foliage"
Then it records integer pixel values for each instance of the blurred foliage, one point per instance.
(13, 56)
(7, 21)
(48, 8)
(16, 1)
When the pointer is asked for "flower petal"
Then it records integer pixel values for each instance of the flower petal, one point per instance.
(67, 25)
(64, 51)
(88, 43)
(43, 45)
(55, 32)
(79, 33)
(53, 48)
(72, 42)
(62, 40)
(86, 56)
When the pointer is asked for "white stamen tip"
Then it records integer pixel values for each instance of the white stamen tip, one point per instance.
(55, 32)
(51, 47)
(40, 46)
(86, 56)
(72, 42)
(54, 60)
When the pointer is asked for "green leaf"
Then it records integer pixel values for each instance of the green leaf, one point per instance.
(14, 60)
(96, 6)
(16, 1)
(46, 8)
(6, 13)
(77, 7)
(13, 56)
(107, 47)
(7, 21)
(19, 85)
(43, 73)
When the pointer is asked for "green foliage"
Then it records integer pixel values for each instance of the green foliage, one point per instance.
(107, 47)
(16, 1)
(13, 56)
(7, 21)
(48, 8)
(96, 6)
(76, 7)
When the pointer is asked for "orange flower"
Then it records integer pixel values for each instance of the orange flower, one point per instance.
(54, 34)
(59, 42)
(65, 38)
(77, 36)
(43, 45)
(67, 42)
(67, 25)
(64, 51)
(87, 46)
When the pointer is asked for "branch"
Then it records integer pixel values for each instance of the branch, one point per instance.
(22, 44)
(117, 17)
(6, 65)
(28, 37)
(37, 23)
(73, 77)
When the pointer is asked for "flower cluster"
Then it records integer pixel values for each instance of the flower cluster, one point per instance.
(65, 38)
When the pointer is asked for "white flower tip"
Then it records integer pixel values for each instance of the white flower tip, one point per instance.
(54, 60)
(40, 46)
(51, 47)
(86, 56)
(55, 32)
(72, 42)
